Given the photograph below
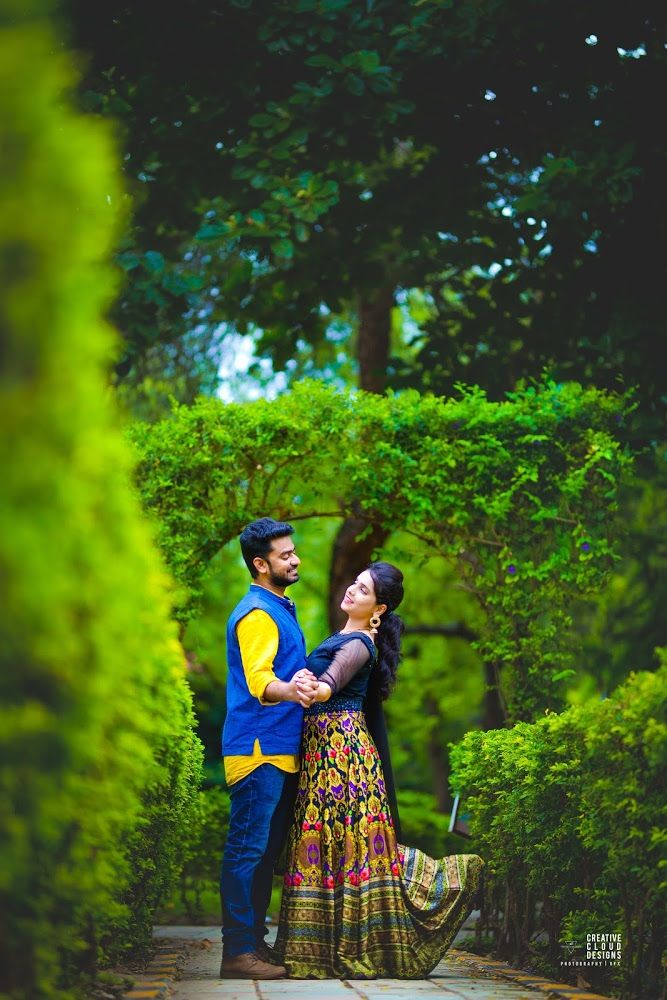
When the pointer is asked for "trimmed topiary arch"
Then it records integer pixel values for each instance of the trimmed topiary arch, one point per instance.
(519, 494)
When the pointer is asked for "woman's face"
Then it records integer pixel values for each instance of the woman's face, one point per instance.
(359, 600)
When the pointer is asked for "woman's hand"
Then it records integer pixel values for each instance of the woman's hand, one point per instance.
(288, 690)
(306, 687)
(321, 692)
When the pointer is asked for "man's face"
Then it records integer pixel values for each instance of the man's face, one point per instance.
(281, 562)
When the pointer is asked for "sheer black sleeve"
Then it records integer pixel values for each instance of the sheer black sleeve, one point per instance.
(347, 661)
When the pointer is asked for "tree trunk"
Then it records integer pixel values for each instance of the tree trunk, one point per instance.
(439, 758)
(373, 340)
(350, 556)
(495, 714)
(348, 559)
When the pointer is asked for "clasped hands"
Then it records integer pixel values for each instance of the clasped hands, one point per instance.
(306, 685)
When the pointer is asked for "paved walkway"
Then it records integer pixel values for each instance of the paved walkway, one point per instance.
(460, 976)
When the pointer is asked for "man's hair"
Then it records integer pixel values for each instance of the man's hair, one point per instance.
(256, 539)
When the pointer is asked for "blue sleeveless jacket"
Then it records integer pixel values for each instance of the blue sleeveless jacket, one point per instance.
(278, 727)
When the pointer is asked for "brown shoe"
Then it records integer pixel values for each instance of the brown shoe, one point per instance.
(250, 966)
(267, 953)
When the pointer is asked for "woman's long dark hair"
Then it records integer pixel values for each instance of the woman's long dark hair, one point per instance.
(388, 585)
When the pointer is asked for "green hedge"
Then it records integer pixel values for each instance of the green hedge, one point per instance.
(98, 760)
(569, 814)
(519, 496)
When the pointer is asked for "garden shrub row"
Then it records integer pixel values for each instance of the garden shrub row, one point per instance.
(519, 496)
(569, 814)
(99, 763)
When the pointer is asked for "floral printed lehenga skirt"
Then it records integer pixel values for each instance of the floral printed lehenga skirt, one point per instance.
(356, 904)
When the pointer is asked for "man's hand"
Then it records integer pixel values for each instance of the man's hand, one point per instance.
(289, 691)
(306, 686)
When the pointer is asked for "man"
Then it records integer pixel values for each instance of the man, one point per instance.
(260, 743)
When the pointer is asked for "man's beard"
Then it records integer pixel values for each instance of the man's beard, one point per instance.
(280, 579)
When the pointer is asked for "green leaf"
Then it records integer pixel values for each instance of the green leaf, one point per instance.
(562, 674)
(322, 60)
(154, 262)
(211, 231)
(262, 120)
(283, 248)
(366, 61)
(128, 260)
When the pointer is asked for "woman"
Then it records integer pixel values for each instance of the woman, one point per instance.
(356, 903)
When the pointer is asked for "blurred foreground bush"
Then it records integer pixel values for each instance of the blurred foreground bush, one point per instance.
(569, 814)
(98, 760)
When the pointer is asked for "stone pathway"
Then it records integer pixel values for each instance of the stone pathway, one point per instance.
(460, 976)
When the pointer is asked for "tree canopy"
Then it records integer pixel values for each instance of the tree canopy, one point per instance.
(517, 494)
(290, 162)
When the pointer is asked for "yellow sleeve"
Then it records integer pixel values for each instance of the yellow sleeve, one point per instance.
(258, 641)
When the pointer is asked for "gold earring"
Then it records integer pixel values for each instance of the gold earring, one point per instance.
(374, 622)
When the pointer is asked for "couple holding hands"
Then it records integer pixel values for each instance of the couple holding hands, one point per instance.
(307, 765)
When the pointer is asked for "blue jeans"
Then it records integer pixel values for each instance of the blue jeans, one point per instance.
(261, 810)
